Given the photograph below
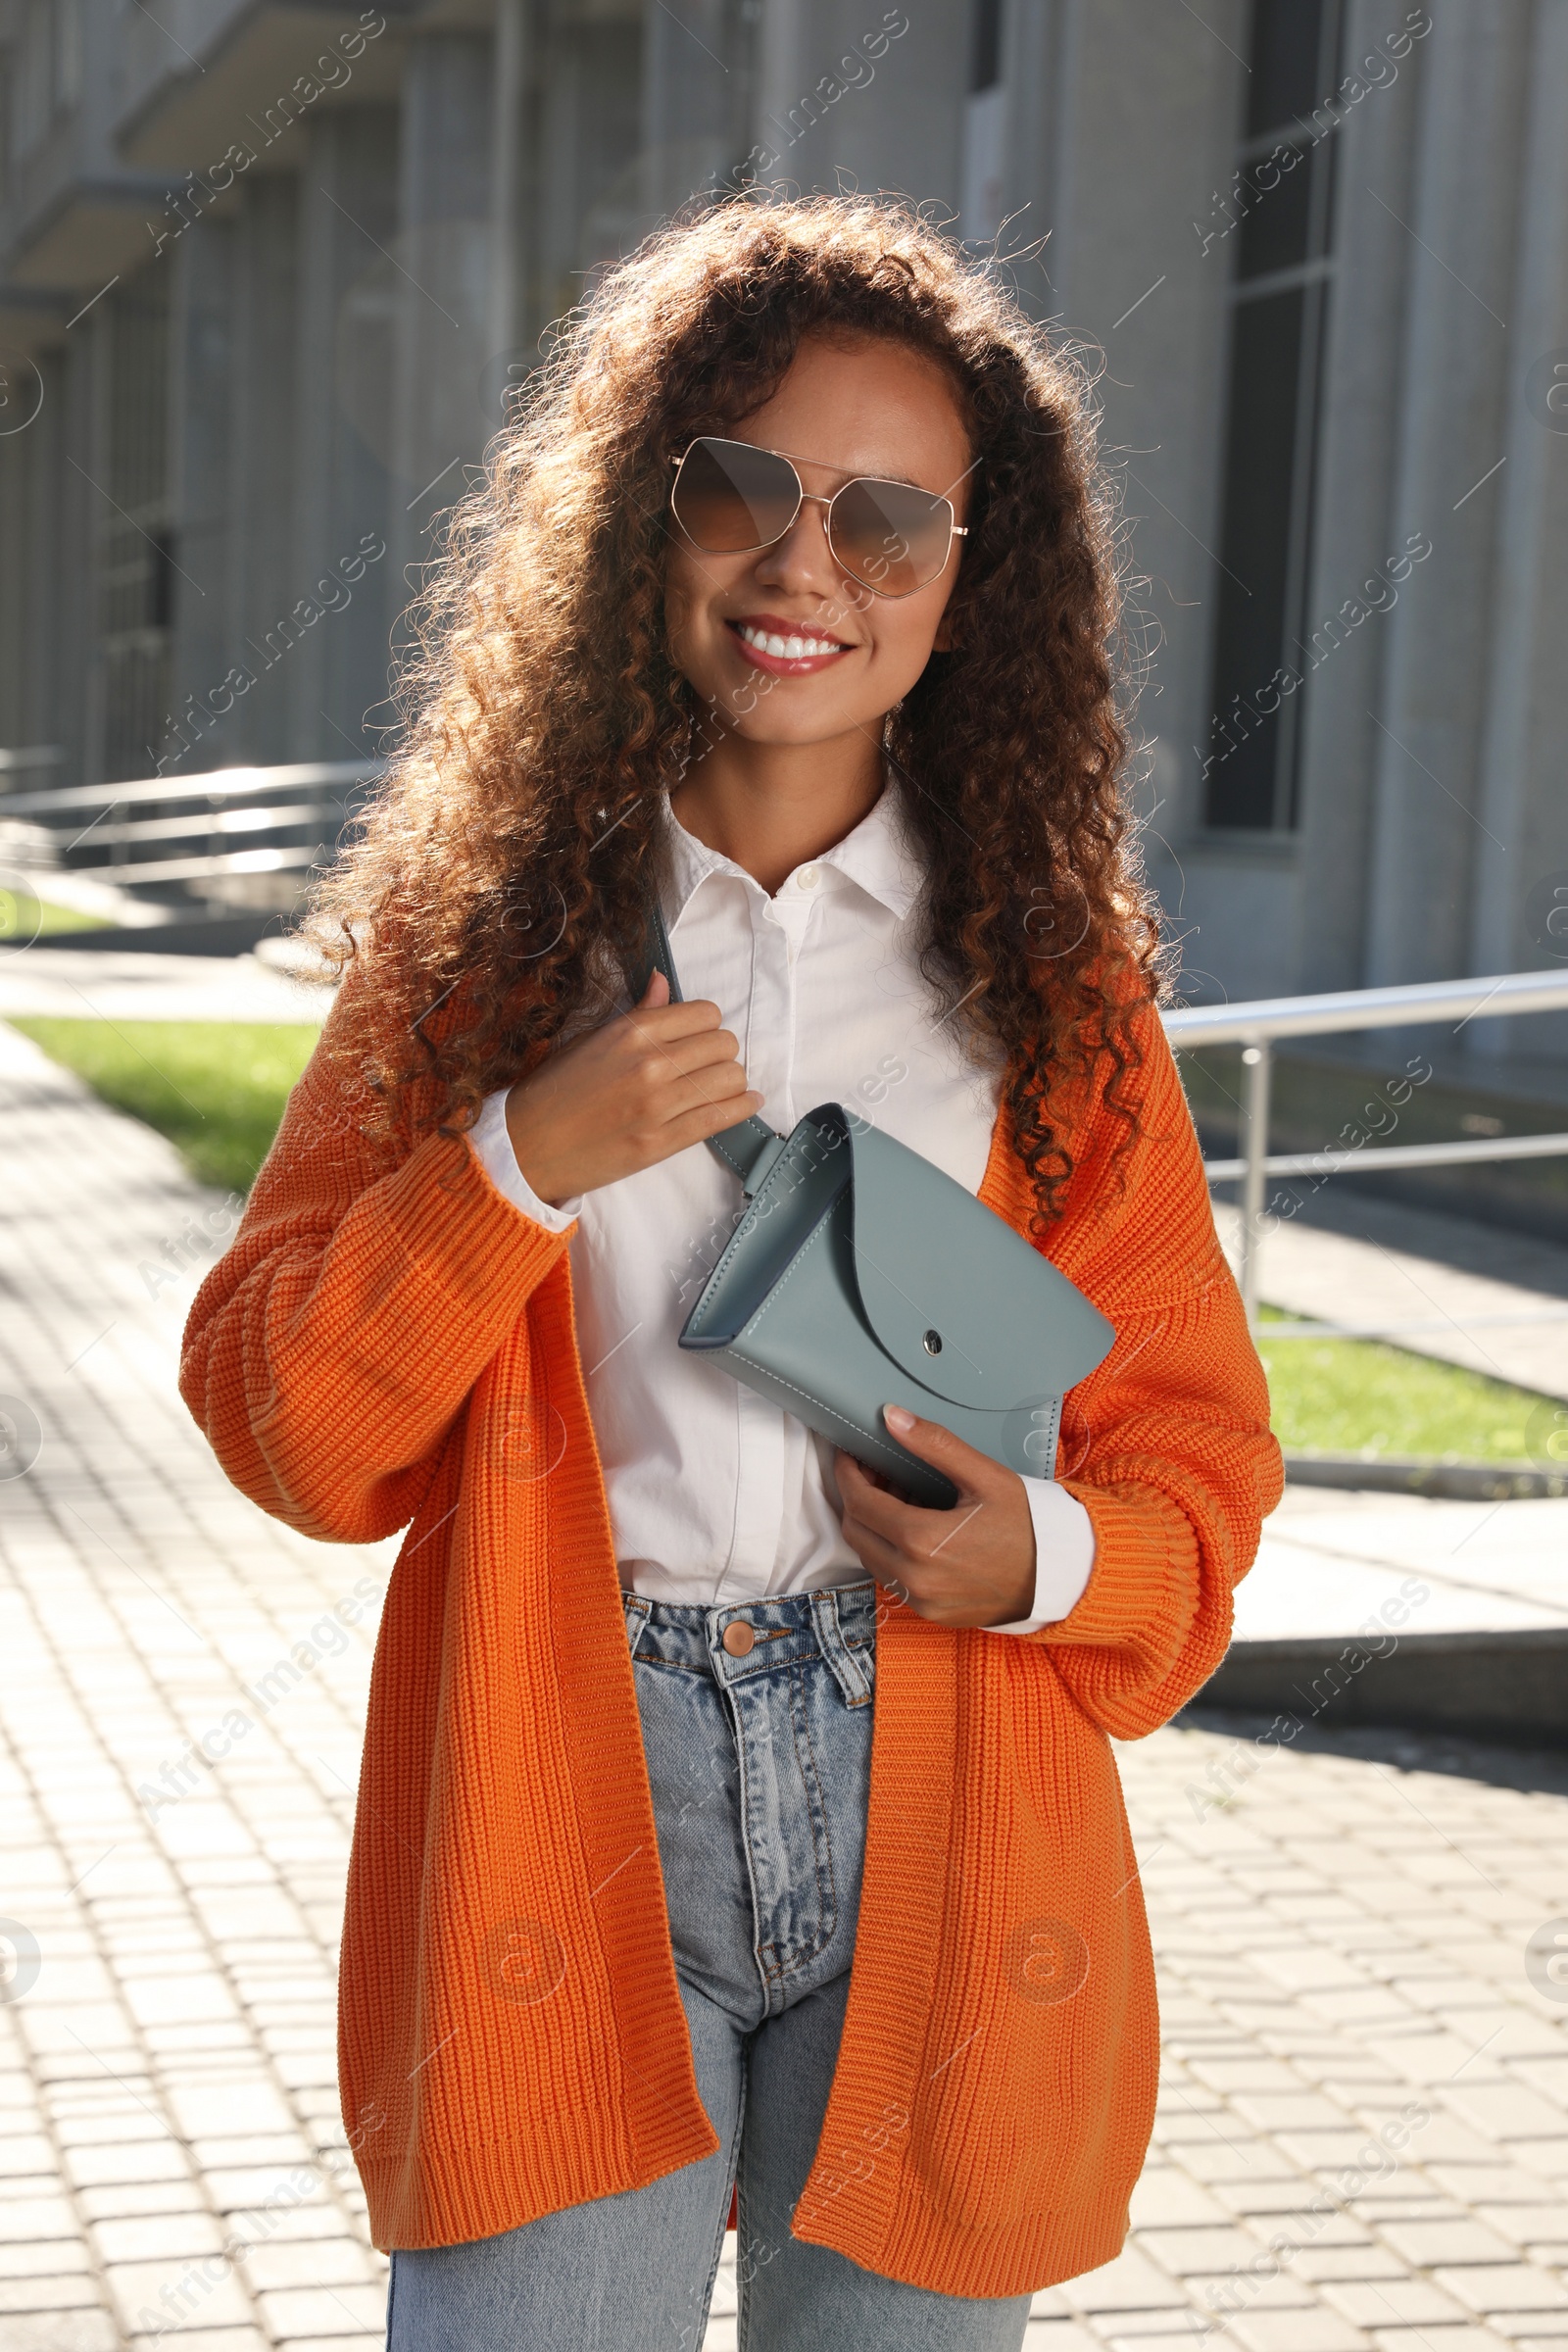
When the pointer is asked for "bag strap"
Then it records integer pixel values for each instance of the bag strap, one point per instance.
(750, 1148)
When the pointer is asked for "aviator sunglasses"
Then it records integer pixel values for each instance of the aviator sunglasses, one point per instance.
(730, 499)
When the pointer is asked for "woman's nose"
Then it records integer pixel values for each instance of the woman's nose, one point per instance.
(802, 559)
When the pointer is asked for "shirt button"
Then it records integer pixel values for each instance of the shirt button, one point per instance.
(739, 1638)
(808, 877)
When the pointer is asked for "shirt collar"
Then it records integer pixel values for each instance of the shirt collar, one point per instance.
(877, 855)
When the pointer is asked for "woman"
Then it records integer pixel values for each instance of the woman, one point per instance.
(786, 600)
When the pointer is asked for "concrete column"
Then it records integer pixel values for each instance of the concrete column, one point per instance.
(1355, 526)
(335, 670)
(1427, 831)
(14, 555)
(1524, 770)
(85, 438)
(264, 579)
(65, 627)
(782, 48)
(444, 286)
(509, 130)
(35, 707)
(200, 471)
(1041, 47)
(694, 117)
(591, 127)
(898, 125)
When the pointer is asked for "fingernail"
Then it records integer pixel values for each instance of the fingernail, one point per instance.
(897, 1418)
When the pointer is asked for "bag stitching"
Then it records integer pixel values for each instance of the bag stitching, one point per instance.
(749, 1221)
(747, 1226)
(733, 1165)
(798, 1259)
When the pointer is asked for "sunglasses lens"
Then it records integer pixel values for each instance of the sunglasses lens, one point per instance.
(729, 495)
(889, 536)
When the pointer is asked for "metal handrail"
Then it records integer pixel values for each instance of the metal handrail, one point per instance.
(1393, 1156)
(217, 784)
(235, 803)
(212, 864)
(244, 819)
(1258, 1025)
(1270, 1018)
(1532, 1319)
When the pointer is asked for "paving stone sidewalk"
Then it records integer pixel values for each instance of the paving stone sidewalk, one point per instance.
(1365, 2065)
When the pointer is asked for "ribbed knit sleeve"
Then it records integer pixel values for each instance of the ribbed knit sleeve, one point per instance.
(1168, 1444)
(331, 1348)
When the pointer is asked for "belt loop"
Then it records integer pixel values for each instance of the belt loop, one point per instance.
(637, 1609)
(848, 1672)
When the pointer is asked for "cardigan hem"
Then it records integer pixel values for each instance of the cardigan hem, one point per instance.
(495, 2197)
(1019, 2257)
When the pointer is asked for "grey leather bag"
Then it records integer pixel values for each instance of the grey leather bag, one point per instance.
(860, 1275)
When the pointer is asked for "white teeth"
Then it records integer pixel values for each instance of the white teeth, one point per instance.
(787, 649)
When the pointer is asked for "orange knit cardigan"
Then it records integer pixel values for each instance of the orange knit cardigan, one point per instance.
(387, 1344)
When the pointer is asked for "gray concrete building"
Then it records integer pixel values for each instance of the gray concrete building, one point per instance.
(266, 270)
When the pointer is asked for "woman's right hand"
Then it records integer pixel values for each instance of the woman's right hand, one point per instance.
(632, 1093)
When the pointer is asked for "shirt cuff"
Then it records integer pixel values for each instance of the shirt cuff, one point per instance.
(1064, 1554)
(491, 1145)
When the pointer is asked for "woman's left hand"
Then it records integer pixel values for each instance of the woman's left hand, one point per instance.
(972, 1565)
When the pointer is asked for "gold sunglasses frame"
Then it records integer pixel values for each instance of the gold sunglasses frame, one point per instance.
(804, 497)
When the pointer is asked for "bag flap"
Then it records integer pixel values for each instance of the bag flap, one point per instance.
(962, 1303)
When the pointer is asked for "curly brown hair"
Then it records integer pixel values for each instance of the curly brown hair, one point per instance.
(502, 872)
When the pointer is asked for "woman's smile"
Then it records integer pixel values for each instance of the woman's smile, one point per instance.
(786, 648)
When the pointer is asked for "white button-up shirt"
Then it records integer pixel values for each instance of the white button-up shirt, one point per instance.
(717, 1495)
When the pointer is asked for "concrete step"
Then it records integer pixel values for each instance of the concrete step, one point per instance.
(1406, 1612)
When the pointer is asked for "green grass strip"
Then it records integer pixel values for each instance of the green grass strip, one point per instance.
(217, 1089)
(58, 921)
(1367, 1398)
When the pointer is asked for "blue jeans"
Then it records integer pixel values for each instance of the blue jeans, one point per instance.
(759, 1765)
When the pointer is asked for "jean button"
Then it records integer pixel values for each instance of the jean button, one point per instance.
(739, 1638)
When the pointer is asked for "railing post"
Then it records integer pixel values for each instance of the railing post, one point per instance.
(1255, 1062)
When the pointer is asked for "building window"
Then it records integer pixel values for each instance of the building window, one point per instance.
(1280, 211)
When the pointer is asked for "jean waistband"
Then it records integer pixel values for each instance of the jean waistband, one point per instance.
(836, 1623)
